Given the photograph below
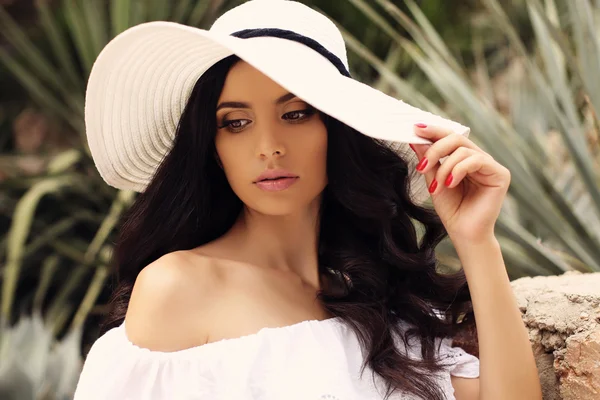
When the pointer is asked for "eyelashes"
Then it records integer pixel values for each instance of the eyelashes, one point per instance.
(233, 124)
(294, 117)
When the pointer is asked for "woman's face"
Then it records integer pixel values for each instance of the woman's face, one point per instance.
(271, 144)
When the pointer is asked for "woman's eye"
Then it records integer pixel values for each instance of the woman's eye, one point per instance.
(298, 115)
(235, 125)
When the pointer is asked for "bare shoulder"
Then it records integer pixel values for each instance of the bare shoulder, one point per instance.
(172, 302)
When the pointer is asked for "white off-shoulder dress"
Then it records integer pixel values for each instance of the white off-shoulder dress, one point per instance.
(310, 360)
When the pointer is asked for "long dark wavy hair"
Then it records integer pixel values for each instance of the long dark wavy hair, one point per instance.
(384, 273)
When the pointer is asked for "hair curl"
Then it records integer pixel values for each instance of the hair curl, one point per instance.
(383, 273)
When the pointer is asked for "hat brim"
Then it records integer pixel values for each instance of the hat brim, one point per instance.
(142, 79)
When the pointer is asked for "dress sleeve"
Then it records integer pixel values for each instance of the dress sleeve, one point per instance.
(460, 363)
(117, 369)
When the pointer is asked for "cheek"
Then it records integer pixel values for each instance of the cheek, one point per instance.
(316, 152)
(230, 156)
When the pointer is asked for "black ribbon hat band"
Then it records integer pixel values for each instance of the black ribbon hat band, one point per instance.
(289, 35)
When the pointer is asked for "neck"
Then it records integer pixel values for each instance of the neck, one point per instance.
(287, 243)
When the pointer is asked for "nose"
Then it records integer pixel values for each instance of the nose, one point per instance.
(269, 143)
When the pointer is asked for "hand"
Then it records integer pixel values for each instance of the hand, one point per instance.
(467, 189)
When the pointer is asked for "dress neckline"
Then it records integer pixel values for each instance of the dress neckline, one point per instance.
(229, 341)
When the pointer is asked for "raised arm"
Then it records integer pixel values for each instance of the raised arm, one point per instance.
(468, 190)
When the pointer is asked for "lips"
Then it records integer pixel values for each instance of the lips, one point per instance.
(276, 185)
(274, 180)
(272, 174)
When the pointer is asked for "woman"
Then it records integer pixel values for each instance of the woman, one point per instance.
(273, 252)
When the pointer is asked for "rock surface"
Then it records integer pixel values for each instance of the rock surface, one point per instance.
(563, 317)
(562, 314)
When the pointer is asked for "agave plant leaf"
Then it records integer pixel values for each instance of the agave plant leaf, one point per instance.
(584, 21)
(49, 267)
(14, 382)
(27, 347)
(60, 49)
(31, 343)
(482, 72)
(64, 366)
(554, 59)
(38, 91)
(387, 75)
(74, 280)
(50, 233)
(34, 364)
(157, 10)
(198, 13)
(519, 262)
(61, 300)
(181, 9)
(70, 249)
(39, 64)
(120, 16)
(572, 131)
(430, 35)
(82, 31)
(89, 299)
(63, 161)
(57, 324)
(123, 200)
(19, 230)
(543, 261)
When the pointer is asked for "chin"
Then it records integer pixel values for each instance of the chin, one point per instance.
(279, 207)
(281, 203)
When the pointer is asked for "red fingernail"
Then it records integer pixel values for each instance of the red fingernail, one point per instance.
(412, 147)
(433, 186)
(420, 125)
(449, 180)
(421, 166)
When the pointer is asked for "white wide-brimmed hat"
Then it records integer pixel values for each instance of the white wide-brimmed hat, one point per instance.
(141, 82)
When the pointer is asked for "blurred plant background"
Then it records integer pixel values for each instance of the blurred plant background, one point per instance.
(522, 74)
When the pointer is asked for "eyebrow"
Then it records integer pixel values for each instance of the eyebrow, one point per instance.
(238, 104)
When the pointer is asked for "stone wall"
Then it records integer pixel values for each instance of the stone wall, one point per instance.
(563, 317)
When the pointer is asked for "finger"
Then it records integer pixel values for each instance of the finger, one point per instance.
(445, 147)
(470, 165)
(420, 150)
(444, 173)
(435, 133)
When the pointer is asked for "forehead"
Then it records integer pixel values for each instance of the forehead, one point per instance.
(246, 83)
